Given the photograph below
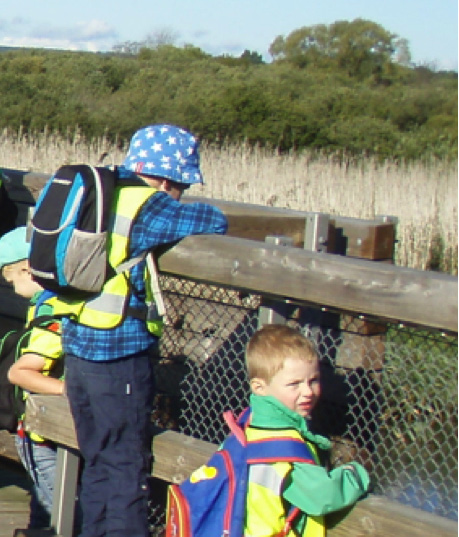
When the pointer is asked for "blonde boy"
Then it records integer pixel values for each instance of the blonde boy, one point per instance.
(284, 376)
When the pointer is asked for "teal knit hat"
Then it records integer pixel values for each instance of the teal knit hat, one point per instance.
(14, 247)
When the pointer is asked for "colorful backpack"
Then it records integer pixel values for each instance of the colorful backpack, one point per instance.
(211, 502)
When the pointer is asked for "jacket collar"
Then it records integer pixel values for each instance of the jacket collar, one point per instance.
(269, 413)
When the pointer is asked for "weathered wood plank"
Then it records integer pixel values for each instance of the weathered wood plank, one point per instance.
(353, 237)
(374, 289)
(176, 456)
(368, 239)
(379, 517)
(50, 416)
(7, 446)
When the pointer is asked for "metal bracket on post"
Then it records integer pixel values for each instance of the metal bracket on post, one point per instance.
(316, 232)
(274, 311)
(389, 219)
(65, 491)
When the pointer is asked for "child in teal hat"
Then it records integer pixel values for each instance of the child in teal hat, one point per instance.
(14, 266)
(33, 371)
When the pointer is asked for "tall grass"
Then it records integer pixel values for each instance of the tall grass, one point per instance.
(423, 196)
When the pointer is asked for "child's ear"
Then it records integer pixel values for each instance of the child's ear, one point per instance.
(6, 272)
(258, 386)
(166, 185)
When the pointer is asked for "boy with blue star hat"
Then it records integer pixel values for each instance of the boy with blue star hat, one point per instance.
(108, 345)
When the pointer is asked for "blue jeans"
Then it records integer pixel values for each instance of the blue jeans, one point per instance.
(40, 462)
(111, 403)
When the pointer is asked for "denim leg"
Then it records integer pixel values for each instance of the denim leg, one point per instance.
(111, 404)
(40, 463)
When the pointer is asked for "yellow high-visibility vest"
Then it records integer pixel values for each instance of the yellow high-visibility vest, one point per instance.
(266, 512)
(108, 309)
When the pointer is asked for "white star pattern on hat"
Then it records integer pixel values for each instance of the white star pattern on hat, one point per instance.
(165, 151)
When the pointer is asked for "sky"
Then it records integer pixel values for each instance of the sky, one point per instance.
(230, 27)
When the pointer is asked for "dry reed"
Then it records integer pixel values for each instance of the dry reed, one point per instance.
(423, 196)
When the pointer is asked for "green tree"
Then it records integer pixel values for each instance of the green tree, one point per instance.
(251, 56)
(360, 47)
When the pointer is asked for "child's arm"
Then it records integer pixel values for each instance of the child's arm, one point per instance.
(27, 372)
(318, 492)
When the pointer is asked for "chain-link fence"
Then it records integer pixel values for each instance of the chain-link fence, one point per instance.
(389, 393)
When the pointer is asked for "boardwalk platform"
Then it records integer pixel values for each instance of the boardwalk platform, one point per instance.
(14, 497)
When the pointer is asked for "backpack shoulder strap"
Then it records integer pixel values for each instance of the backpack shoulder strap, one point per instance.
(44, 296)
(279, 449)
(268, 450)
(40, 320)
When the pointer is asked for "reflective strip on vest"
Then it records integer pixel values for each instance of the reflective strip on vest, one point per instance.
(266, 476)
(122, 225)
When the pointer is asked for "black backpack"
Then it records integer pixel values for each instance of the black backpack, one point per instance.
(69, 230)
(12, 404)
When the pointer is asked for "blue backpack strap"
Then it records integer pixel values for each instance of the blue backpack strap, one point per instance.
(278, 449)
(45, 295)
(268, 450)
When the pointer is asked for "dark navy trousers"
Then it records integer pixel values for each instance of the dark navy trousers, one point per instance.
(111, 403)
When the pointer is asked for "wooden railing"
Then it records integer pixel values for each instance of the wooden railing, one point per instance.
(350, 282)
(177, 455)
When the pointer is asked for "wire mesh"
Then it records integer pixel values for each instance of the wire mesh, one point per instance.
(389, 393)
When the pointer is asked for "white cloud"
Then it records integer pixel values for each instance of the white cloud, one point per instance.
(94, 35)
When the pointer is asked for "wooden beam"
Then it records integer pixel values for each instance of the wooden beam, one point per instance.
(368, 239)
(395, 293)
(353, 237)
(8, 447)
(330, 281)
(380, 517)
(177, 455)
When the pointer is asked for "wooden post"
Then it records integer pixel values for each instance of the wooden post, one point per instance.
(273, 311)
(359, 355)
(65, 491)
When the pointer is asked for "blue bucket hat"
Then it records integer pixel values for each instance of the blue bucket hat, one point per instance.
(165, 151)
(14, 247)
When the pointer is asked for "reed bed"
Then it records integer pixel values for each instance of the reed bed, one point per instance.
(423, 196)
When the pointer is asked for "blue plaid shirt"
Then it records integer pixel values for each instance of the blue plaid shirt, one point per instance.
(162, 220)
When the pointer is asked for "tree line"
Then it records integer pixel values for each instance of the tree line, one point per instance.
(347, 88)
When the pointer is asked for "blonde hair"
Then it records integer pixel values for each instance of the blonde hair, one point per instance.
(270, 346)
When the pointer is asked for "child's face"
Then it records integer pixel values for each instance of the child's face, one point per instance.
(296, 385)
(18, 274)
